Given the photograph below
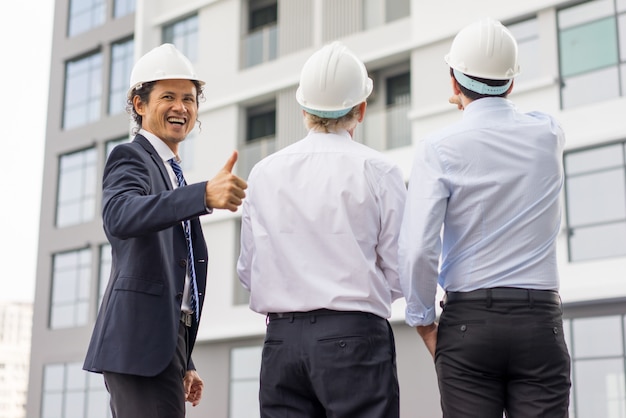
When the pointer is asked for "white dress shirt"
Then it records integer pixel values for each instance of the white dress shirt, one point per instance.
(320, 228)
(493, 181)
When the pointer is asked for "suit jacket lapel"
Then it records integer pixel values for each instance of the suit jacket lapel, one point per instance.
(141, 140)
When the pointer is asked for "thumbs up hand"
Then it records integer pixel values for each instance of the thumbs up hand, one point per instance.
(226, 190)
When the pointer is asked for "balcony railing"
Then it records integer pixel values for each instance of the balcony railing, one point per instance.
(387, 128)
(260, 46)
(253, 152)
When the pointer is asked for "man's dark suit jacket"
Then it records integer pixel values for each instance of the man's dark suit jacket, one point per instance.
(137, 326)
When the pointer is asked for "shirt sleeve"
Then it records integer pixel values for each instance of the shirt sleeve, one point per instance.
(392, 199)
(246, 255)
(420, 235)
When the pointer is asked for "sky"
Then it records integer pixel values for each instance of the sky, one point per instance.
(26, 39)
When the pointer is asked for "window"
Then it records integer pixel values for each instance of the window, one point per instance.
(76, 195)
(398, 106)
(595, 197)
(113, 143)
(598, 385)
(85, 15)
(122, 8)
(83, 90)
(106, 260)
(261, 122)
(260, 43)
(386, 124)
(69, 391)
(591, 52)
(528, 42)
(260, 137)
(184, 34)
(379, 12)
(122, 59)
(245, 364)
(71, 278)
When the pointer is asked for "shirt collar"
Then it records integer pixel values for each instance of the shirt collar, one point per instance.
(488, 103)
(161, 148)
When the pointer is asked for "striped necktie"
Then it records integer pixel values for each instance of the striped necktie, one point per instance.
(190, 261)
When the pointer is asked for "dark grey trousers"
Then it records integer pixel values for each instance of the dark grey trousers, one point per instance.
(161, 396)
(502, 356)
(329, 364)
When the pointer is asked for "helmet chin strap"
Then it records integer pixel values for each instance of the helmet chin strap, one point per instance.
(478, 87)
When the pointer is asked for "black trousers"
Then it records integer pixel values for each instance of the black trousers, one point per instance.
(161, 396)
(496, 356)
(329, 364)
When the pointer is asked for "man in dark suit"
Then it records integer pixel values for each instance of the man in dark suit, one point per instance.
(147, 325)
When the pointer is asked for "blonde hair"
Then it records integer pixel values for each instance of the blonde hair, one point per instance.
(326, 125)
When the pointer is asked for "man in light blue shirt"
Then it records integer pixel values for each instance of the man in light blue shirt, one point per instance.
(481, 220)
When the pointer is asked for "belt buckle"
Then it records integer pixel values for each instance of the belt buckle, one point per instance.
(186, 319)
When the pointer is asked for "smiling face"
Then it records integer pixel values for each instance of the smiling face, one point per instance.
(171, 111)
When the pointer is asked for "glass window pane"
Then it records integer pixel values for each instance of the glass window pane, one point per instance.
(588, 47)
(62, 316)
(123, 7)
(597, 197)
(85, 15)
(122, 59)
(83, 91)
(74, 406)
(598, 242)
(585, 12)
(244, 400)
(64, 288)
(183, 34)
(575, 90)
(76, 377)
(54, 377)
(52, 405)
(98, 404)
(588, 331)
(527, 35)
(397, 9)
(594, 159)
(245, 362)
(599, 388)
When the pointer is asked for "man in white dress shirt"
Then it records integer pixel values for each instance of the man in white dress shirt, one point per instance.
(319, 255)
(493, 182)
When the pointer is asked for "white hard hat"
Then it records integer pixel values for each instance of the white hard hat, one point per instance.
(484, 49)
(333, 80)
(164, 62)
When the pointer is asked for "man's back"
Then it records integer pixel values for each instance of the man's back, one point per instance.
(502, 172)
(317, 211)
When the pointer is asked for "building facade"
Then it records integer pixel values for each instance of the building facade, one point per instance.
(573, 59)
(15, 337)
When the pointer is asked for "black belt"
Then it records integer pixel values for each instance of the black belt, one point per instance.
(186, 318)
(309, 314)
(510, 294)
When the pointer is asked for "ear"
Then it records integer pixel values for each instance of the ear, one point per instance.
(455, 86)
(139, 105)
(362, 108)
(510, 87)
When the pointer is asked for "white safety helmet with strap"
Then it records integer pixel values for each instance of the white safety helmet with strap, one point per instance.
(332, 81)
(164, 62)
(484, 49)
